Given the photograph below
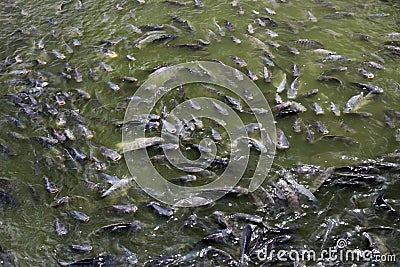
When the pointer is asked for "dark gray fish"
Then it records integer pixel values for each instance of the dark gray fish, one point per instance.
(113, 86)
(374, 89)
(295, 70)
(102, 260)
(105, 67)
(215, 135)
(267, 75)
(7, 198)
(121, 209)
(220, 236)
(297, 125)
(330, 79)
(8, 258)
(292, 50)
(335, 109)
(338, 14)
(83, 248)
(50, 186)
(109, 153)
(252, 75)
(291, 196)
(245, 243)
(366, 74)
(252, 218)
(317, 109)
(80, 216)
(222, 220)
(229, 26)
(309, 135)
(85, 132)
(190, 46)
(161, 210)
(320, 127)
(93, 186)
(119, 227)
(238, 61)
(331, 70)
(77, 75)
(334, 58)
(282, 142)
(373, 64)
(109, 179)
(309, 93)
(234, 102)
(61, 229)
(308, 43)
(58, 54)
(353, 103)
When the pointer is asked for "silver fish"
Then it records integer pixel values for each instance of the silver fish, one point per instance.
(282, 142)
(317, 109)
(122, 184)
(335, 109)
(293, 89)
(281, 87)
(353, 103)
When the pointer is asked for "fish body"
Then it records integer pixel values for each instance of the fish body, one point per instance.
(293, 89)
(119, 186)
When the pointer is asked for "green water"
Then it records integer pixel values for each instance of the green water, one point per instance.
(27, 228)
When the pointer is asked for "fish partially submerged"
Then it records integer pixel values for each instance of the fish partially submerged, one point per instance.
(121, 185)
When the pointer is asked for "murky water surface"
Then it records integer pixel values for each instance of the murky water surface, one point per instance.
(358, 205)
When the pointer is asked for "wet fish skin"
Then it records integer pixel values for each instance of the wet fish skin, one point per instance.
(80, 216)
(297, 125)
(353, 103)
(118, 227)
(121, 209)
(295, 70)
(238, 61)
(320, 127)
(60, 227)
(338, 14)
(282, 142)
(119, 186)
(310, 92)
(50, 186)
(373, 64)
(317, 109)
(366, 74)
(370, 88)
(234, 102)
(281, 87)
(245, 243)
(308, 43)
(83, 248)
(113, 86)
(109, 153)
(161, 210)
(267, 74)
(335, 109)
(293, 89)
(310, 16)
